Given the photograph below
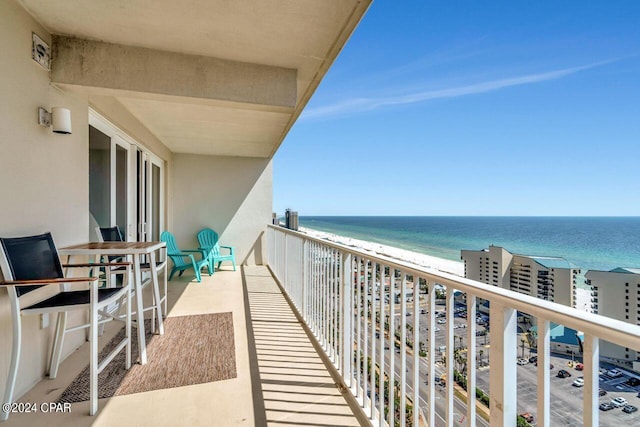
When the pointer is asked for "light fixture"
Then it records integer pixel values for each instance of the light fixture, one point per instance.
(59, 118)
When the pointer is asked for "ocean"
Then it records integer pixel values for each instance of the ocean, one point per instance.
(591, 243)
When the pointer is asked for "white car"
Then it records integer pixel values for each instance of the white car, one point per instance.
(579, 382)
(522, 361)
(442, 321)
(619, 402)
(614, 373)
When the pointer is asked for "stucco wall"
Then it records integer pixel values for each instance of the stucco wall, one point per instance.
(231, 195)
(43, 175)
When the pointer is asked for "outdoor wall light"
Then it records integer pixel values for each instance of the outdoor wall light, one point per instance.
(59, 118)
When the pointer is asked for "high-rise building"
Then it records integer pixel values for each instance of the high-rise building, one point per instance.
(616, 294)
(548, 278)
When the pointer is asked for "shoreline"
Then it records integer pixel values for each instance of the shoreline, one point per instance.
(423, 260)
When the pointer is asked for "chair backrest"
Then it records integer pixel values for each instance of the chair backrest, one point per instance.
(109, 234)
(172, 248)
(208, 239)
(30, 258)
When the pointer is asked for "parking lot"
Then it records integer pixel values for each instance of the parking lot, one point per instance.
(566, 399)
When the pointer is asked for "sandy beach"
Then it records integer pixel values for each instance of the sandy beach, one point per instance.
(445, 265)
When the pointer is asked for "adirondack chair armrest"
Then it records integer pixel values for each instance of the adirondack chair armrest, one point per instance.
(182, 254)
(231, 248)
(56, 281)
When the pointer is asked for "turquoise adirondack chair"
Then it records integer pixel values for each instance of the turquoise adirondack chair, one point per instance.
(208, 240)
(184, 259)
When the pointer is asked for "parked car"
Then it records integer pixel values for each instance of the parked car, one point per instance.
(527, 417)
(533, 359)
(632, 382)
(618, 402)
(522, 361)
(563, 374)
(442, 321)
(606, 406)
(629, 409)
(579, 382)
(602, 392)
(579, 366)
(614, 373)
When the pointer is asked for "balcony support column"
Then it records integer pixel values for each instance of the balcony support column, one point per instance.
(503, 373)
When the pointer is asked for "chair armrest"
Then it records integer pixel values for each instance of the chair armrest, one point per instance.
(56, 281)
(193, 250)
(98, 264)
(181, 253)
(231, 248)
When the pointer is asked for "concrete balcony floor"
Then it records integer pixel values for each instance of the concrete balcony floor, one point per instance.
(281, 379)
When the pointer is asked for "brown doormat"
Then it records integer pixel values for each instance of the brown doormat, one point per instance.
(193, 350)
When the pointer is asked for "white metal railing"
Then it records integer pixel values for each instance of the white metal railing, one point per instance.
(343, 293)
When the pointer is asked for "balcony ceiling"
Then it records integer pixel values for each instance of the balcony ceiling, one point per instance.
(249, 67)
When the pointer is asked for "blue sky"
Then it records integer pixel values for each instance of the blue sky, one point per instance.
(473, 108)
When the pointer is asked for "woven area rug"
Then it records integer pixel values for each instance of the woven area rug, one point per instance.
(192, 350)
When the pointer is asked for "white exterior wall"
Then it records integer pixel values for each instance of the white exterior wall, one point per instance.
(618, 297)
(232, 195)
(43, 176)
(563, 285)
(489, 266)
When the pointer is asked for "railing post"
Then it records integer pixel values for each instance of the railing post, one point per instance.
(347, 317)
(502, 358)
(284, 273)
(544, 360)
(471, 360)
(450, 342)
(591, 380)
(304, 271)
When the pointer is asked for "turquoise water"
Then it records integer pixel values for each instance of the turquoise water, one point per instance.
(596, 243)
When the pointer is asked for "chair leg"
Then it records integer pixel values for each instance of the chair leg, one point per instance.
(153, 313)
(173, 271)
(93, 353)
(157, 301)
(15, 359)
(56, 352)
(233, 261)
(165, 291)
(127, 328)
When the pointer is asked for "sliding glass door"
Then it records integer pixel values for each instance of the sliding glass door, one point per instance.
(126, 184)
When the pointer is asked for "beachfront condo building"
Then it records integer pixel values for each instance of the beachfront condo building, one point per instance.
(616, 294)
(544, 277)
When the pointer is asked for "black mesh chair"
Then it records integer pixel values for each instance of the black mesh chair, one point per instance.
(31, 263)
(113, 234)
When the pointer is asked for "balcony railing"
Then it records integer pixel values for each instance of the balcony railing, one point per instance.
(336, 288)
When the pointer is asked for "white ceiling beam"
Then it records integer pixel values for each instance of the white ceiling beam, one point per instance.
(113, 67)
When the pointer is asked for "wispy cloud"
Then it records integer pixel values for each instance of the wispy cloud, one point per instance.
(357, 105)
